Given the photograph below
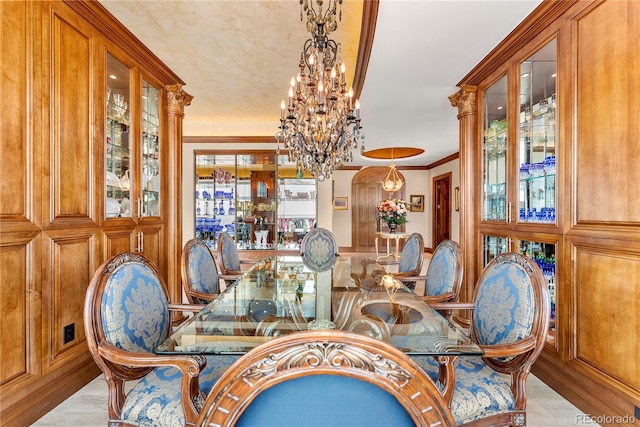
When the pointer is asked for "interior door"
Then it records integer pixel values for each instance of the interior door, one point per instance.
(441, 208)
(367, 192)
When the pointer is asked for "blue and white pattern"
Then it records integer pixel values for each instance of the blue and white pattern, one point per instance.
(230, 258)
(155, 400)
(480, 391)
(319, 249)
(504, 313)
(135, 318)
(135, 315)
(505, 305)
(203, 276)
(411, 254)
(441, 274)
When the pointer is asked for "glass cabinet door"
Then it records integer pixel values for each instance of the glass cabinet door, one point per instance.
(259, 198)
(297, 207)
(215, 196)
(537, 135)
(118, 178)
(493, 246)
(494, 152)
(544, 254)
(259, 175)
(150, 152)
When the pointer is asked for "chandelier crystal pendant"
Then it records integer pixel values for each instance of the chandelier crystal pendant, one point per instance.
(320, 125)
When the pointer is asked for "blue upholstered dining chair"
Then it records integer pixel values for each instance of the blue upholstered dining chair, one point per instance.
(410, 262)
(199, 272)
(509, 320)
(319, 249)
(325, 378)
(230, 262)
(126, 316)
(444, 274)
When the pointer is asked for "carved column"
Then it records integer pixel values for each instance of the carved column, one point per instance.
(466, 102)
(177, 99)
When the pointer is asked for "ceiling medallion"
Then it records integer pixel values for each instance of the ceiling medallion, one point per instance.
(321, 123)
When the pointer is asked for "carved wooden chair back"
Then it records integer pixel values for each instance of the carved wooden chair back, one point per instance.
(321, 378)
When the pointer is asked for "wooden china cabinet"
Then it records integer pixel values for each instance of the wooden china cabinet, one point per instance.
(90, 167)
(549, 167)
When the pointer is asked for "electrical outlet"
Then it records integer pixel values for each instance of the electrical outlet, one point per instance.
(69, 333)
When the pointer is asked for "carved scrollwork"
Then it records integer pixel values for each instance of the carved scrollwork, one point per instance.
(330, 355)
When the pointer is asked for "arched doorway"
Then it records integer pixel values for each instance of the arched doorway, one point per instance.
(366, 192)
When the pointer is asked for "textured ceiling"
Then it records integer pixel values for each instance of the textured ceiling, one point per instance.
(237, 57)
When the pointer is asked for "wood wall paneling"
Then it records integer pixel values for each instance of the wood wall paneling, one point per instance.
(15, 344)
(71, 106)
(71, 258)
(153, 245)
(51, 189)
(594, 362)
(607, 313)
(15, 99)
(117, 241)
(608, 108)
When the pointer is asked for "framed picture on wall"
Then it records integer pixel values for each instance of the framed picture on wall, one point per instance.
(417, 203)
(340, 203)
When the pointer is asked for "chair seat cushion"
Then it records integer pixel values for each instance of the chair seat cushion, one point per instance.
(155, 400)
(480, 391)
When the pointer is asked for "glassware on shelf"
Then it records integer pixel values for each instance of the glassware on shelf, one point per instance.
(538, 136)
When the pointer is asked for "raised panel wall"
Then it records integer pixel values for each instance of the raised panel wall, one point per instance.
(595, 360)
(72, 259)
(607, 318)
(608, 108)
(15, 344)
(71, 161)
(14, 145)
(52, 82)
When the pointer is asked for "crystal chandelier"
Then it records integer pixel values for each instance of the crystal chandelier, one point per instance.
(321, 123)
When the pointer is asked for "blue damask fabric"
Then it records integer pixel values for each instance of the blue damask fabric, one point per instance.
(135, 318)
(155, 400)
(480, 391)
(505, 305)
(135, 315)
(441, 272)
(410, 255)
(231, 259)
(203, 276)
(319, 249)
(504, 313)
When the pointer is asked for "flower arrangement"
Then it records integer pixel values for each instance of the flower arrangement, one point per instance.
(393, 211)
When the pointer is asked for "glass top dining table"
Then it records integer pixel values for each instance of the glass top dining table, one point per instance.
(281, 295)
